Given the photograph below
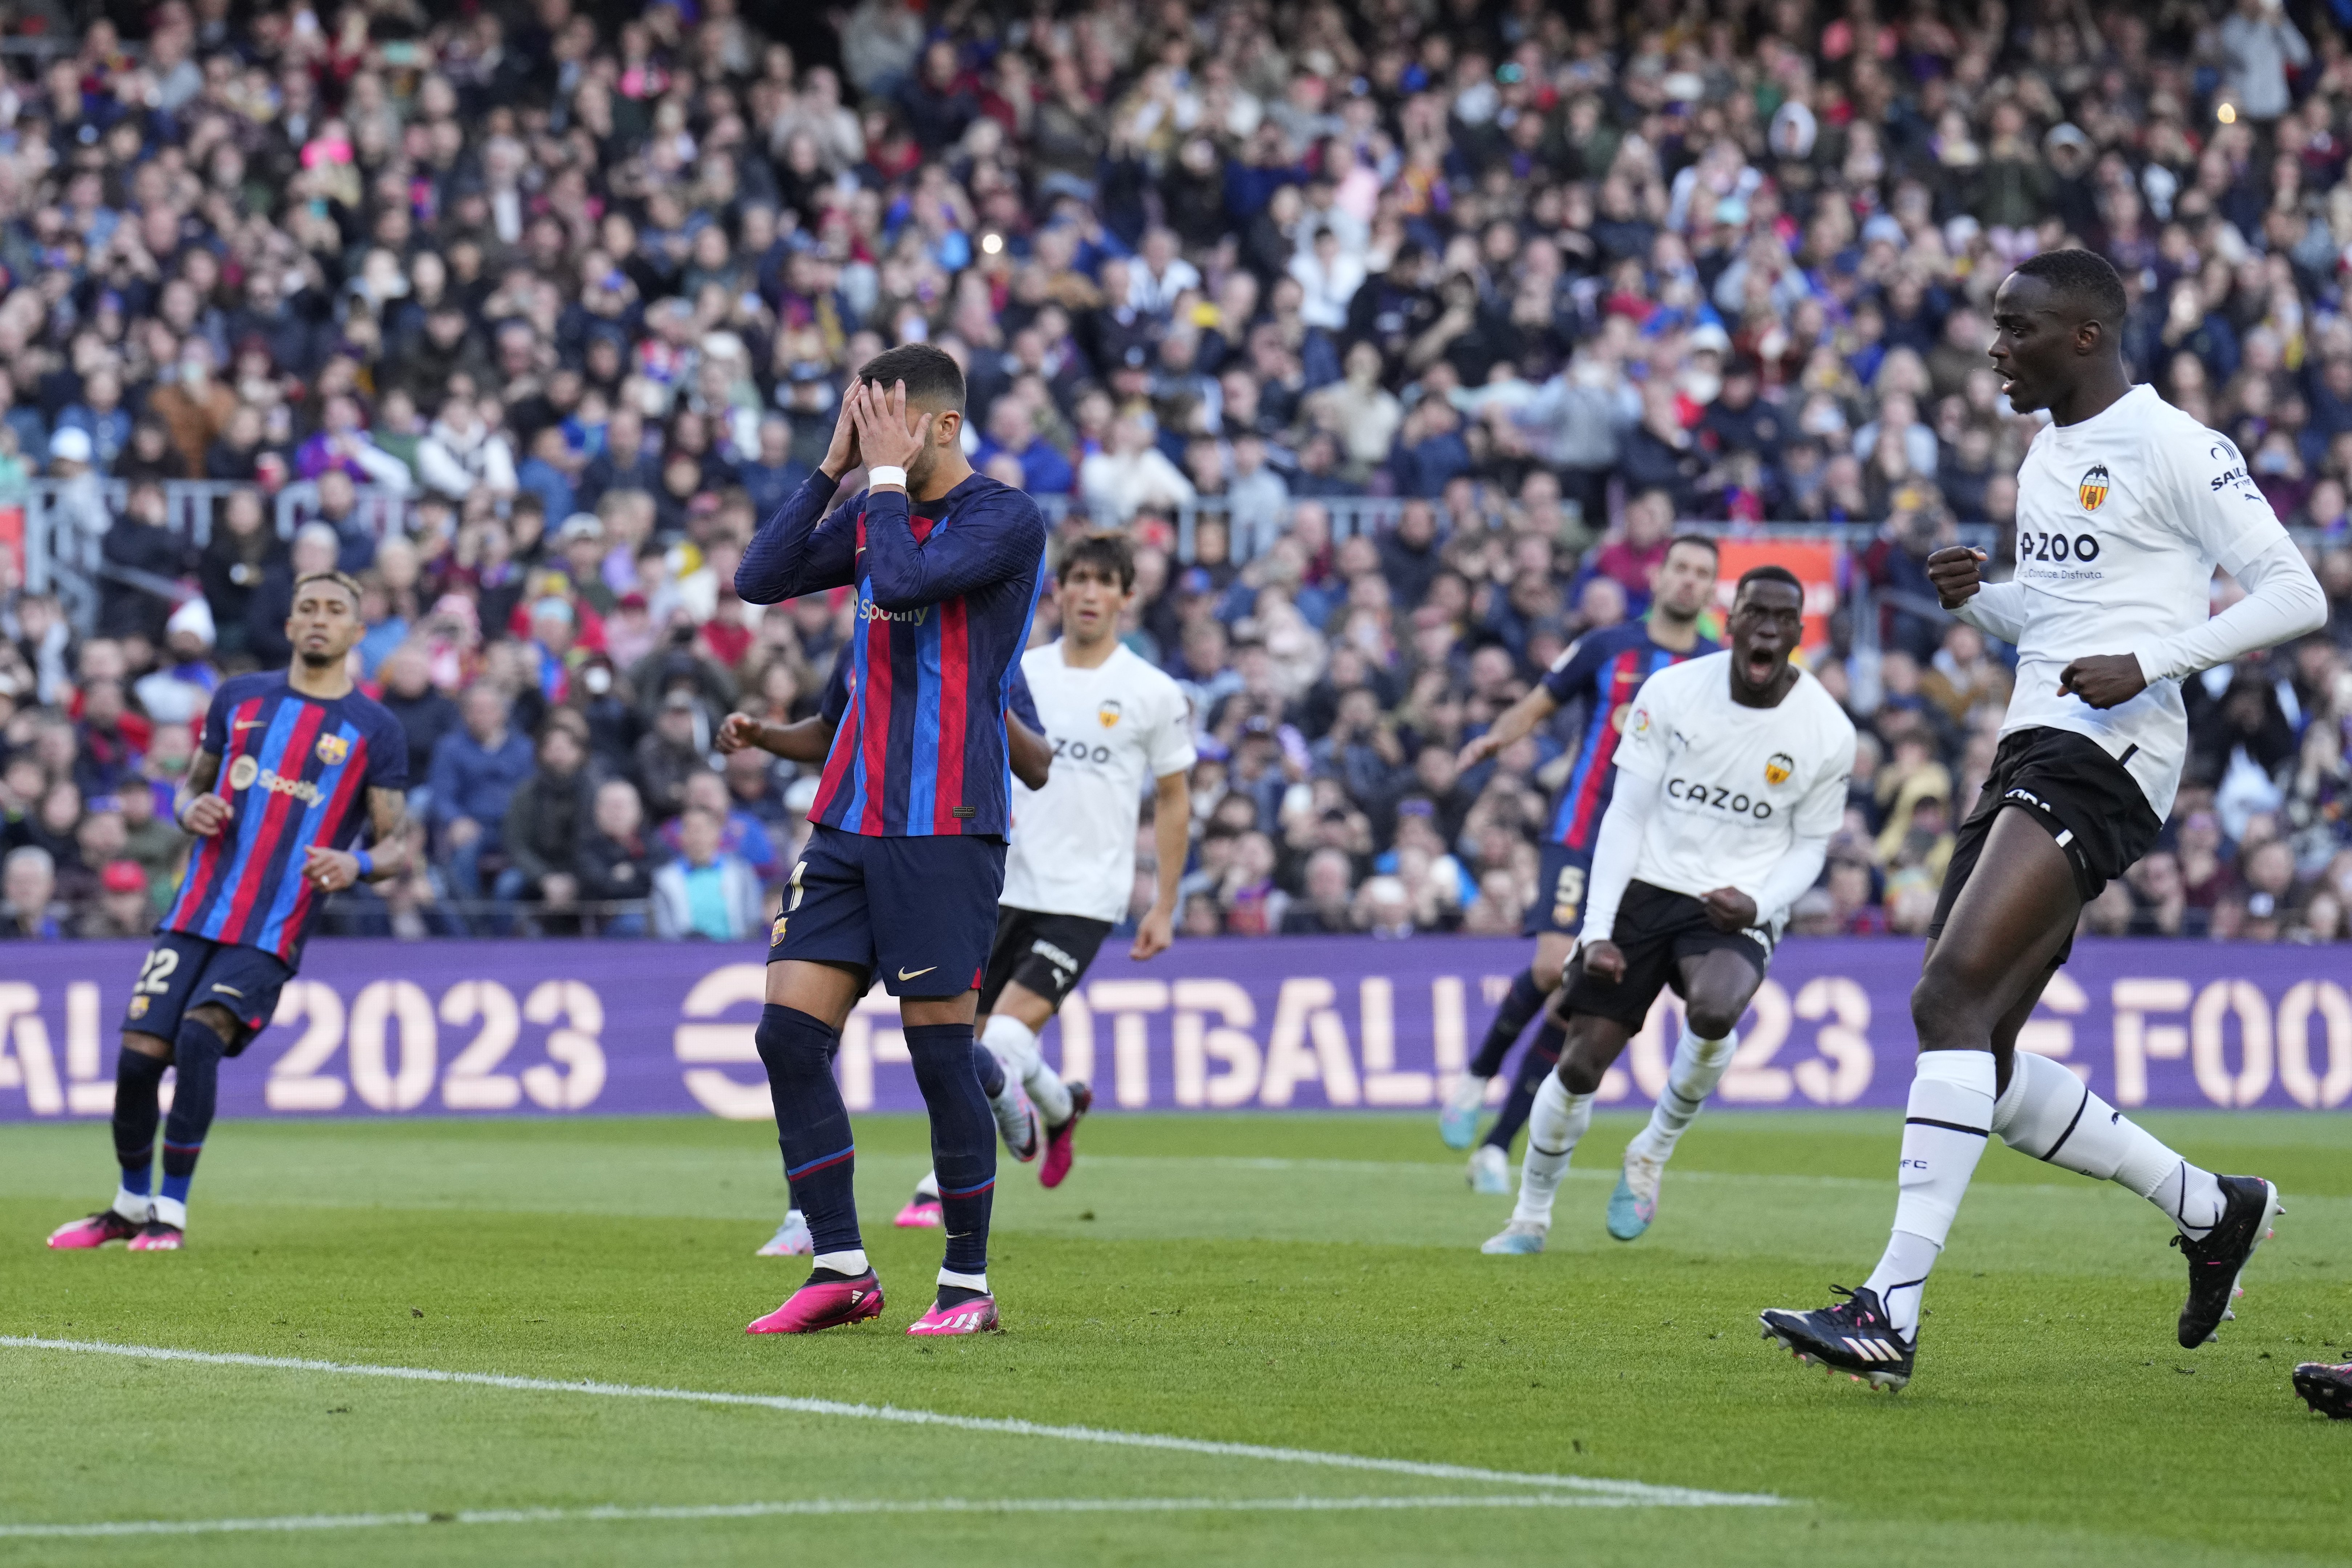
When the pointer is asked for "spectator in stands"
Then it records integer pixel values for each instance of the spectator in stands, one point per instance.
(477, 768)
(28, 906)
(706, 892)
(615, 864)
(547, 817)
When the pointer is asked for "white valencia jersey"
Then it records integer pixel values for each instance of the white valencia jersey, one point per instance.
(2120, 522)
(1737, 785)
(1112, 728)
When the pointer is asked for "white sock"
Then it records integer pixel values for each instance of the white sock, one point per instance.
(171, 1212)
(1943, 1130)
(1557, 1122)
(1697, 1068)
(136, 1207)
(852, 1263)
(964, 1281)
(2049, 1113)
(929, 1187)
(1015, 1044)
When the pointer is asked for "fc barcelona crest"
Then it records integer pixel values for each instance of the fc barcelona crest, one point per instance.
(1778, 768)
(333, 749)
(2092, 491)
(1109, 712)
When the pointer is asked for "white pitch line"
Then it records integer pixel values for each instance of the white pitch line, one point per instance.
(612, 1513)
(1629, 1491)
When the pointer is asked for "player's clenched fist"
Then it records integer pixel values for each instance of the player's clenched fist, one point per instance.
(206, 814)
(2103, 680)
(740, 730)
(1729, 909)
(1953, 570)
(1603, 962)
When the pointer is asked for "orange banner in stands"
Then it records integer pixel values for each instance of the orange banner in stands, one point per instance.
(1817, 563)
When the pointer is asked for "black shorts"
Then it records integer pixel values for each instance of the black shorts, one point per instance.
(1045, 952)
(2083, 796)
(181, 971)
(1656, 929)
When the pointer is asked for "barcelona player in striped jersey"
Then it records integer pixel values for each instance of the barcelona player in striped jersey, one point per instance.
(905, 858)
(291, 766)
(1605, 669)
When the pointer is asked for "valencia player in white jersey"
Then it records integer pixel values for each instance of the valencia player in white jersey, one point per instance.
(1116, 723)
(2125, 506)
(1731, 777)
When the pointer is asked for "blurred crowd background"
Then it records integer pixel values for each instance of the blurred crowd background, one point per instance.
(1401, 338)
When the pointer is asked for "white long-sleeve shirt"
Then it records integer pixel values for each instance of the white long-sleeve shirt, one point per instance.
(2121, 520)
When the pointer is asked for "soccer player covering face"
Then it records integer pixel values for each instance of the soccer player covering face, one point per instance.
(291, 765)
(2126, 505)
(906, 852)
(809, 741)
(1605, 669)
(1730, 779)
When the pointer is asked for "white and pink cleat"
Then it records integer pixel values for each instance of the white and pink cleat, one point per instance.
(977, 1316)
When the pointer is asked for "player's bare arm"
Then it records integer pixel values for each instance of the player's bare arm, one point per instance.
(1171, 834)
(194, 806)
(804, 741)
(386, 857)
(1511, 726)
(1031, 753)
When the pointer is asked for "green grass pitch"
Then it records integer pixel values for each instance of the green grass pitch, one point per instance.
(1300, 1282)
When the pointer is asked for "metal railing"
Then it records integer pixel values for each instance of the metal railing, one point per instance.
(63, 532)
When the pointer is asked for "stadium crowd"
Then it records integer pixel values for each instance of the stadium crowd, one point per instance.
(578, 286)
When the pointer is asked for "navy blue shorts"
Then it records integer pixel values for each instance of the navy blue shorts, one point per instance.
(183, 972)
(923, 911)
(1559, 904)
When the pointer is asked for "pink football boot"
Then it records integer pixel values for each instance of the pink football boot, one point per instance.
(824, 1304)
(93, 1230)
(921, 1212)
(1058, 1153)
(157, 1237)
(976, 1316)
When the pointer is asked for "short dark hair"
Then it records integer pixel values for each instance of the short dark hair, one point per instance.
(2085, 279)
(342, 580)
(1109, 553)
(1768, 573)
(932, 378)
(1696, 541)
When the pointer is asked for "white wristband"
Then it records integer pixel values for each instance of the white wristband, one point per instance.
(886, 475)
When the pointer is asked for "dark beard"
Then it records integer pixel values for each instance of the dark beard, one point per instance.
(314, 661)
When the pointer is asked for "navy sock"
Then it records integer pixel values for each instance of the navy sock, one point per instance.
(1523, 1003)
(991, 1072)
(812, 1124)
(964, 1138)
(138, 1078)
(196, 1053)
(1542, 1056)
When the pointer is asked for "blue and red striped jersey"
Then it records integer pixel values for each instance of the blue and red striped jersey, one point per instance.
(1019, 703)
(1606, 668)
(295, 771)
(945, 597)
